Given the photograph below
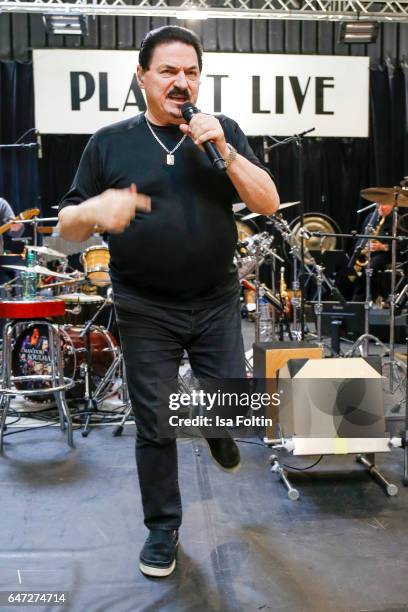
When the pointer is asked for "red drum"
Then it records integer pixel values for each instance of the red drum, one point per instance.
(31, 356)
(31, 309)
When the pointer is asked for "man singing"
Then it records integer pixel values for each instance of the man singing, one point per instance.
(174, 283)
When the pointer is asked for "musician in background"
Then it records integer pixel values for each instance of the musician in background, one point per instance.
(380, 253)
(15, 231)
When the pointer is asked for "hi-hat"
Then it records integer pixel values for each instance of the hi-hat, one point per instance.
(388, 196)
(38, 270)
(281, 207)
(42, 250)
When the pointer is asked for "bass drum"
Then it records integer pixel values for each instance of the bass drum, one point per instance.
(314, 222)
(31, 356)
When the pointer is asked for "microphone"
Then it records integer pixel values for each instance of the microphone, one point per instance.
(188, 110)
(39, 144)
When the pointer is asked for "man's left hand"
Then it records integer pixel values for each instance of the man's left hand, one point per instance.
(203, 128)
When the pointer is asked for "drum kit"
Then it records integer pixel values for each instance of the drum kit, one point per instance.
(91, 353)
(320, 234)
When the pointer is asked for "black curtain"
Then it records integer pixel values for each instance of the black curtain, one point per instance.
(19, 177)
(334, 169)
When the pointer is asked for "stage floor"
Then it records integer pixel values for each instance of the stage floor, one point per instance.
(71, 520)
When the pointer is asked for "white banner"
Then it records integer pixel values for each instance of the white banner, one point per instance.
(79, 91)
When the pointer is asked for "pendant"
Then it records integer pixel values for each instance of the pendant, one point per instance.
(170, 159)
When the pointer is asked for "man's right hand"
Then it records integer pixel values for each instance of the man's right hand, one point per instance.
(114, 209)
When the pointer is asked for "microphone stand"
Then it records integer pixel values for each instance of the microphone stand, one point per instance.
(298, 139)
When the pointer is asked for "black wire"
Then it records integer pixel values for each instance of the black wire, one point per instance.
(10, 433)
(250, 442)
(291, 467)
(309, 467)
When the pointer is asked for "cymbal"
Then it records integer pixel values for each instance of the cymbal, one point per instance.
(46, 251)
(281, 207)
(389, 196)
(38, 270)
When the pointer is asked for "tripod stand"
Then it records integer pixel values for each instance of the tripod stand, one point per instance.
(94, 397)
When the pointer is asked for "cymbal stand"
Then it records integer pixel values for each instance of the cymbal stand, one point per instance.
(362, 341)
(392, 362)
(257, 296)
(298, 140)
(91, 396)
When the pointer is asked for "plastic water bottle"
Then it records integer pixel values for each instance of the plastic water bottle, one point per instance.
(265, 321)
(29, 278)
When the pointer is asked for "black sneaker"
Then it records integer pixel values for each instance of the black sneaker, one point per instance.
(158, 555)
(225, 453)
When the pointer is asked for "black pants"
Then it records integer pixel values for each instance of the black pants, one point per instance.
(153, 341)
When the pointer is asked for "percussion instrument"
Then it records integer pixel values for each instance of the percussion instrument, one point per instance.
(95, 261)
(42, 250)
(281, 207)
(31, 355)
(79, 307)
(38, 270)
(389, 196)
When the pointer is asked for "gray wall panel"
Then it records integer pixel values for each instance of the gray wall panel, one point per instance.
(309, 37)
(92, 40)
(259, 36)
(276, 36)
(209, 39)
(20, 44)
(403, 40)
(390, 40)
(36, 32)
(5, 36)
(242, 35)
(325, 38)
(374, 50)
(125, 32)
(54, 41)
(339, 48)
(19, 33)
(292, 37)
(73, 42)
(142, 25)
(225, 35)
(107, 32)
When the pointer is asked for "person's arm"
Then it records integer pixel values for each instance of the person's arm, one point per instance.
(6, 214)
(253, 184)
(111, 211)
(90, 207)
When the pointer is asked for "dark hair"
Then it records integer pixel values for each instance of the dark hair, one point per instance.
(168, 34)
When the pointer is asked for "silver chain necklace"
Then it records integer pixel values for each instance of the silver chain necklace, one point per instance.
(170, 154)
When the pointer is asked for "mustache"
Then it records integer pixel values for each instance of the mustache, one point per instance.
(177, 91)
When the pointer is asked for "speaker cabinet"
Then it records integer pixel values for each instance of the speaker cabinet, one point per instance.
(269, 358)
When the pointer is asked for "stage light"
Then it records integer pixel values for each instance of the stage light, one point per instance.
(66, 23)
(192, 12)
(358, 32)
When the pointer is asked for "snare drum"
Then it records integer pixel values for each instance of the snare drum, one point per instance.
(31, 355)
(95, 261)
(79, 307)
